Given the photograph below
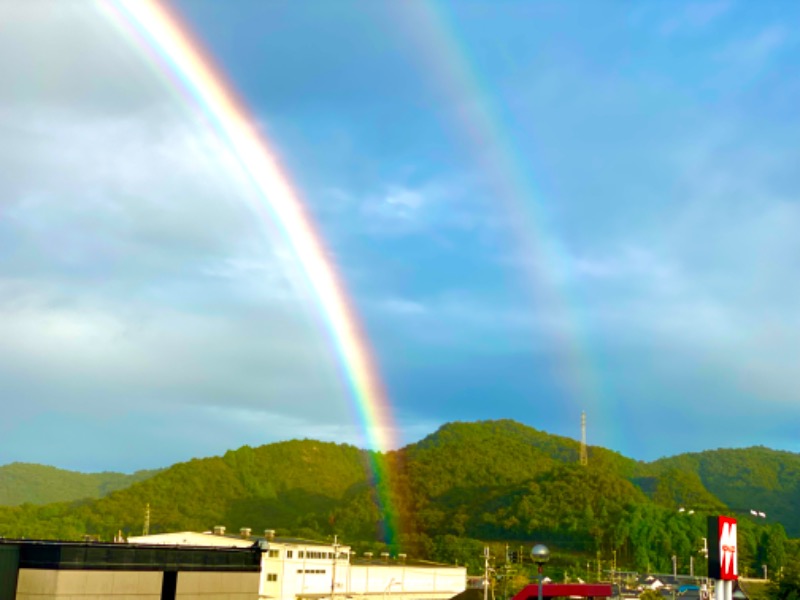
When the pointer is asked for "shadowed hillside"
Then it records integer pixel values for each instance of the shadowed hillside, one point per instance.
(40, 484)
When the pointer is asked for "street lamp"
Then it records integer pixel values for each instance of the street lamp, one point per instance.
(540, 555)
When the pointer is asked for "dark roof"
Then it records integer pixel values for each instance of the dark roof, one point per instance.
(469, 594)
(97, 556)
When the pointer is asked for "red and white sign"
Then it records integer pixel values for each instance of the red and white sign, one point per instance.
(722, 559)
(727, 549)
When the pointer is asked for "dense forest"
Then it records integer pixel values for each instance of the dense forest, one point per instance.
(499, 482)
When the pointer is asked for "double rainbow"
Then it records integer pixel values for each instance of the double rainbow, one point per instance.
(162, 37)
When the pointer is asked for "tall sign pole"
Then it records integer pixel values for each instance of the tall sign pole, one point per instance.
(722, 555)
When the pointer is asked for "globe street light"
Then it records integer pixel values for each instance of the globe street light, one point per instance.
(540, 555)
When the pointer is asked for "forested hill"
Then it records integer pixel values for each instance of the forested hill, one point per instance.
(493, 480)
(40, 484)
(294, 484)
(746, 479)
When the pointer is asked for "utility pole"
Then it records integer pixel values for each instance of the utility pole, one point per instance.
(335, 556)
(614, 567)
(691, 566)
(146, 529)
(599, 574)
(486, 573)
(675, 566)
(507, 570)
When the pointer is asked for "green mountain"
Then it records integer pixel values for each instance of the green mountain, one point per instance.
(22, 483)
(493, 480)
(746, 479)
(293, 484)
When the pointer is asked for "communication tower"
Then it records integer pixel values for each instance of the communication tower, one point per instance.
(584, 453)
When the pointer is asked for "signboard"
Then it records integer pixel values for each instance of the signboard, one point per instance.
(722, 549)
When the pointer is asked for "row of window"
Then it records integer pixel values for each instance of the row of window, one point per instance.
(317, 571)
(309, 554)
(272, 577)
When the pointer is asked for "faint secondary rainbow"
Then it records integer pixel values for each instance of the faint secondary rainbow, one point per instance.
(481, 123)
(168, 44)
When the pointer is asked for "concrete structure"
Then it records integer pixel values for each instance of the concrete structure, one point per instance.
(293, 568)
(205, 566)
(290, 567)
(405, 580)
(33, 570)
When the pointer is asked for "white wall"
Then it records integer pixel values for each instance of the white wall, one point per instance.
(397, 579)
(298, 576)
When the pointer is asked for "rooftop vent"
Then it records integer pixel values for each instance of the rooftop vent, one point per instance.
(367, 554)
(245, 533)
(385, 556)
(219, 530)
(402, 557)
(269, 534)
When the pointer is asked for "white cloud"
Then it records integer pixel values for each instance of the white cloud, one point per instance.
(56, 53)
(432, 208)
(400, 210)
(402, 306)
(133, 274)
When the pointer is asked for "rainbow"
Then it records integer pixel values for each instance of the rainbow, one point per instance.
(169, 46)
(481, 123)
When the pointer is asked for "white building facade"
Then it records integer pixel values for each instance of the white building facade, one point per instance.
(297, 569)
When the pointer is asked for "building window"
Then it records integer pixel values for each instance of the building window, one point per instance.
(288, 554)
(272, 577)
(273, 553)
(312, 571)
(300, 554)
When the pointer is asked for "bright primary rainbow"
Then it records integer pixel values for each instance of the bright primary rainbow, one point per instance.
(162, 37)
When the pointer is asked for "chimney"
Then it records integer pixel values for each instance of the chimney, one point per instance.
(269, 534)
(245, 533)
(219, 530)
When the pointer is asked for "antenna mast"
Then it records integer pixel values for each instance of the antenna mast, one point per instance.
(584, 453)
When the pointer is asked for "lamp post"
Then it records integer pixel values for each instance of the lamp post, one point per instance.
(540, 555)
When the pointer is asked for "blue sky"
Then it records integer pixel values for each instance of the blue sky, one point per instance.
(619, 237)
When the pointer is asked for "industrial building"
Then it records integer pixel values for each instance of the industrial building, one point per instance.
(193, 565)
(294, 568)
(44, 570)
